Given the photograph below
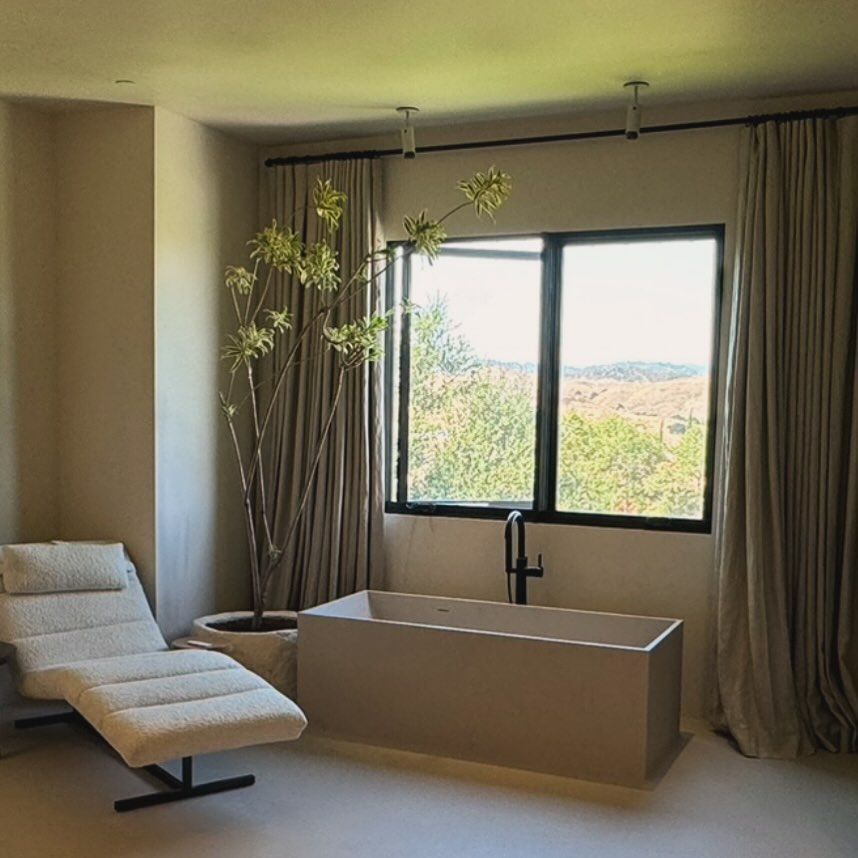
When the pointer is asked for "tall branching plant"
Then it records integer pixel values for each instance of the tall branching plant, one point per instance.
(358, 341)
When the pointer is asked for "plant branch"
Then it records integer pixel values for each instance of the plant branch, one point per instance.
(305, 496)
(249, 527)
(263, 294)
(247, 317)
(260, 476)
(235, 305)
(453, 211)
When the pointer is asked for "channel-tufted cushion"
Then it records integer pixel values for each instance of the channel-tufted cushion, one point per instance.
(159, 706)
(55, 629)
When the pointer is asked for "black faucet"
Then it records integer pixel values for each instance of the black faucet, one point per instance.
(519, 568)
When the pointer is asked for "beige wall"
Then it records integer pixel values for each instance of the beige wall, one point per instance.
(105, 317)
(206, 202)
(28, 497)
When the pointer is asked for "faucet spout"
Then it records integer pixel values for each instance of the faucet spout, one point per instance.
(517, 519)
(518, 566)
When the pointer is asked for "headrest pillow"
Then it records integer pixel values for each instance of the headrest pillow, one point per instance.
(55, 567)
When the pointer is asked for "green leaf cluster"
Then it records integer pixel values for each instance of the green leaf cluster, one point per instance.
(229, 410)
(358, 342)
(279, 247)
(487, 191)
(319, 267)
(248, 343)
(279, 320)
(426, 235)
(328, 202)
(239, 279)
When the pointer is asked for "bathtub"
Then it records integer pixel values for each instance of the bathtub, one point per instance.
(576, 693)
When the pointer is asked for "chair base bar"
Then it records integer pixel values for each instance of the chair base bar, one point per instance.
(180, 788)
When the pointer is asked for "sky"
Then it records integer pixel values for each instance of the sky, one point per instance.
(635, 301)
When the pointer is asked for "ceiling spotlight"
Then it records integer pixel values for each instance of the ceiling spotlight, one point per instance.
(409, 149)
(633, 114)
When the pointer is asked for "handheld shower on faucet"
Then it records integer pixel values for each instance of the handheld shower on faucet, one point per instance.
(518, 567)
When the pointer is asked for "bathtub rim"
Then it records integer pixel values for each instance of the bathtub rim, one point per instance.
(320, 611)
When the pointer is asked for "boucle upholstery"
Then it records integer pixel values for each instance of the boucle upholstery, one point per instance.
(159, 706)
(51, 567)
(53, 629)
(103, 653)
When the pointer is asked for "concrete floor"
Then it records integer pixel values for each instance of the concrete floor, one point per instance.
(320, 798)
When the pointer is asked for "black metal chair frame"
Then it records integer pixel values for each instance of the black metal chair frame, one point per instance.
(179, 788)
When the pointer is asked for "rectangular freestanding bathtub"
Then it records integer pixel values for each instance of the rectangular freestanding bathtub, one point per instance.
(576, 693)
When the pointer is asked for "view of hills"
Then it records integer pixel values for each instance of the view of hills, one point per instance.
(664, 398)
(620, 371)
(632, 434)
(636, 371)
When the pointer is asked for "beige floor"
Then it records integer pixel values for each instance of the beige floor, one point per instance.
(327, 799)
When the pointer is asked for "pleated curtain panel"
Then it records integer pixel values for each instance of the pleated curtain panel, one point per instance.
(787, 534)
(338, 545)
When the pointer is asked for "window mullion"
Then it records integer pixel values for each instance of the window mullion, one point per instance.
(548, 391)
(404, 385)
(389, 359)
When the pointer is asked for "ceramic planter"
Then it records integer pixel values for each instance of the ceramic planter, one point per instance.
(273, 655)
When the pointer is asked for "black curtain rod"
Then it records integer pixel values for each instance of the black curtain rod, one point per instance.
(822, 113)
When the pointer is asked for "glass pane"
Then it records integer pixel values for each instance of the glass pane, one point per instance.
(636, 358)
(473, 373)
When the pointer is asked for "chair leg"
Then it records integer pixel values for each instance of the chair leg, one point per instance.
(180, 788)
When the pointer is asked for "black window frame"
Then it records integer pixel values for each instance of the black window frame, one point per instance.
(544, 509)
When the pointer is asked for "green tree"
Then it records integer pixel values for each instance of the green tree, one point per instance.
(676, 486)
(472, 429)
(604, 464)
(472, 437)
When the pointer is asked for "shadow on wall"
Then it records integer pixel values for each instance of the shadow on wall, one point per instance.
(206, 193)
(232, 581)
(28, 508)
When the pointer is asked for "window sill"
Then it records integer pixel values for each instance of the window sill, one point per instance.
(579, 519)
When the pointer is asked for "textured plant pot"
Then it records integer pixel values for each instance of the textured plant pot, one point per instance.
(273, 655)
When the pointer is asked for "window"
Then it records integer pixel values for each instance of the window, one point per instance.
(571, 375)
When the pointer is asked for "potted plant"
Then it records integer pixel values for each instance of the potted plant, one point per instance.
(261, 639)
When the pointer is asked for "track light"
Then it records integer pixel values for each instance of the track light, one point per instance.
(409, 148)
(633, 114)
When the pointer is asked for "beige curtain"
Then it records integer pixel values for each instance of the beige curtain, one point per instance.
(787, 538)
(338, 546)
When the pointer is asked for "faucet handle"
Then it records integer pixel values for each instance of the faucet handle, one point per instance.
(534, 571)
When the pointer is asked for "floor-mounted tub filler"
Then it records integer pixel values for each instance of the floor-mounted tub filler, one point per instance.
(576, 693)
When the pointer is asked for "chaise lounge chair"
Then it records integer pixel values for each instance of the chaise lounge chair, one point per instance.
(83, 632)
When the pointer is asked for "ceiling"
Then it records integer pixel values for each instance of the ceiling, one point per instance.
(310, 69)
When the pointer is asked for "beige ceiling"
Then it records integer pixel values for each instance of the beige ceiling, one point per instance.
(298, 69)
